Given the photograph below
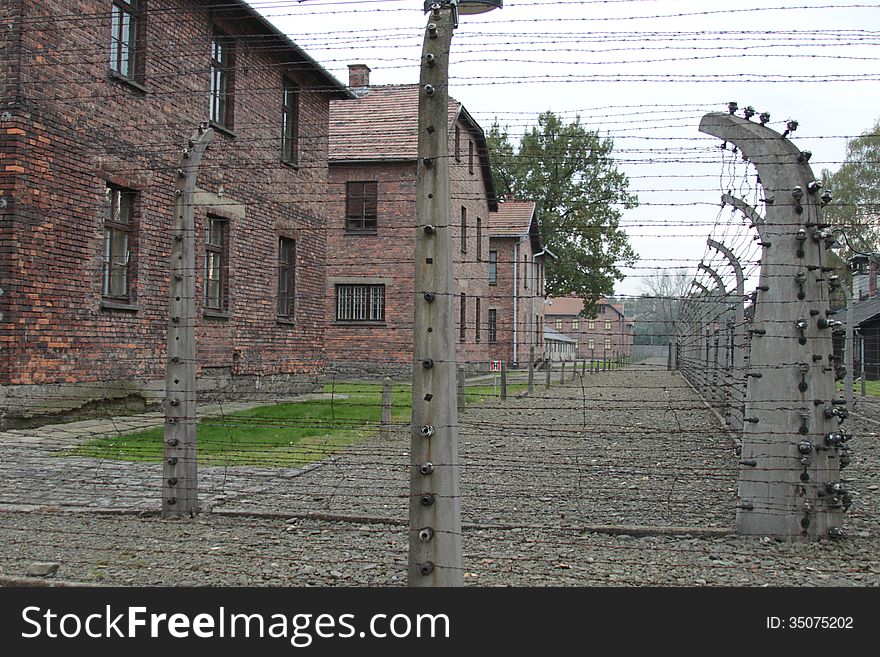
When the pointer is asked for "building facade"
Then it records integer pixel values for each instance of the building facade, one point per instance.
(94, 115)
(609, 335)
(516, 284)
(371, 230)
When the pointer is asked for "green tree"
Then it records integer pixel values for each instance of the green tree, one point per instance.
(569, 172)
(856, 191)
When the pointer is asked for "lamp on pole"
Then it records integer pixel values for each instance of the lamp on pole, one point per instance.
(435, 492)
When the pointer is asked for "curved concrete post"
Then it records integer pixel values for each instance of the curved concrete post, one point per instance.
(754, 217)
(717, 395)
(787, 487)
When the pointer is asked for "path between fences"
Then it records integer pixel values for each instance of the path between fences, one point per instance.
(614, 478)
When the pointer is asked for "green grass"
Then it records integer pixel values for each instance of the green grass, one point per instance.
(280, 435)
(872, 388)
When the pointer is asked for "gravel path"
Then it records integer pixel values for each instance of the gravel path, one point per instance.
(634, 449)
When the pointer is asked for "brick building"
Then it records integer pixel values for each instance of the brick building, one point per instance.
(98, 99)
(371, 229)
(608, 335)
(516, 284)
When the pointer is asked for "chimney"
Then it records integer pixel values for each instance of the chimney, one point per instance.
(359, 79)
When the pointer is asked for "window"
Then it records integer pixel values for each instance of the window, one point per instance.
(558, 324)
(125, 38)
(591, 344)
(477, 323)
(525, 268)
(540, 330)
(360, 303)
(290, 122)
(591, 324)
(462, 318)
(607, 324)
(493, 267)
(607, 344)
(575, 324)
(216, 265)
(118, 238)
(463, 229)
(286, 277)
(221, 79)
(493, 324)
(479, 239)
(361, 206)
(457, 144)
(470, 156)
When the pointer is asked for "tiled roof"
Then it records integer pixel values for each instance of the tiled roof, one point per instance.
(574, 306)
(865, 310)
(513, 218)
(381, 125)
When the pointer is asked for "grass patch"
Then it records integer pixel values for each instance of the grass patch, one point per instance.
(872, 388)
(280, 435)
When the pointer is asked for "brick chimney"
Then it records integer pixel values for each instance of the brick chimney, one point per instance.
(359, 79)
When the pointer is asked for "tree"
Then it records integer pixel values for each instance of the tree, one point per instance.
(567, 170)
(658, 308)
(856, 191)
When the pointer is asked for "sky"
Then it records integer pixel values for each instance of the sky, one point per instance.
(641, 72)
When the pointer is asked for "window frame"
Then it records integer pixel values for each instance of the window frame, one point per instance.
(290, 97)
(607, 324)
(493, 267)
(286, 289)
(462, 318)
(216, 252)
(364, 222)
(463, 229)
(371, 293)
(129, 229)
(557, 324)
(131, 45)
(492, 325)
(457, 143)
(470, 156)
(477, 318)
(222, 85)
(479, 239)
(575, 325)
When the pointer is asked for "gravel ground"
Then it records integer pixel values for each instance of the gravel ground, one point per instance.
(634, 450)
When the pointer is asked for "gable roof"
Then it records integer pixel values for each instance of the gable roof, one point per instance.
(574, 306)
(237, 9)
(382, 126)
(865, 310)
(512, 219)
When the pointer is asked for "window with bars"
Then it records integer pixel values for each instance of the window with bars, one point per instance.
(457, 144)
(463, 229)
(290, 122)
(216, 265)
(360, 303)
(493, 267)
(126, 42)
(470, 156)
(118, 242)
(221, 79)
(477, 322)
(361, 206)
(462, 318)
(493, 324)
(479, 239)
(286, 278)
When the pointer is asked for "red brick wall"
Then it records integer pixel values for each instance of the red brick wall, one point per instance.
(387, 257)
(619, 333)
(83, 129)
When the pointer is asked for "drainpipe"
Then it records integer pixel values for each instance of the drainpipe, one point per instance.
(516, 298)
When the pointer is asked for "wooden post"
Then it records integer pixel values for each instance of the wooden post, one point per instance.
(503, 379)
(180, 485)
(531, 370)
(562, 372)
(549, 367)
(386, 408)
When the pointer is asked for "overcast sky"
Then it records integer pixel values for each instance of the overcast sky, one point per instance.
(642, 72)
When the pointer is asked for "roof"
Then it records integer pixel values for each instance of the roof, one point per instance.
(865, 310)
(382, 125)
(550, 334)
(336, 90)
(513, 219)
(574, 306)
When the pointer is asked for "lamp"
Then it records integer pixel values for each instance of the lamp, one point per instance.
(467, 7)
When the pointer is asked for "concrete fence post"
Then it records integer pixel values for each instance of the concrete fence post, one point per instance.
(386, 408)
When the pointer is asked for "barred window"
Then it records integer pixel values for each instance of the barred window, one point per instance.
(462, 318)
(118, 242)
(493, 267)
(290, 122)
(493, 324)
(361, 206)
(360, 303)
(479, 239)
(477, 323)
(286, 277)
(216, 265)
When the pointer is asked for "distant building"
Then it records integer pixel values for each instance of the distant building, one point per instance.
(608, 335)
(559, 347)
(516, 284)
